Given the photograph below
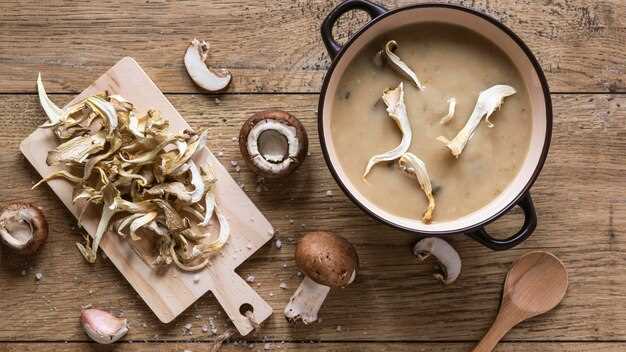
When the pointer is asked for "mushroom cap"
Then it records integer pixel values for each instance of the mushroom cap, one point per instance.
(295, 146)
(23, 227)
(327, 259)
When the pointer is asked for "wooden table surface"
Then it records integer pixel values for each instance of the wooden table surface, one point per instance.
(277, 59)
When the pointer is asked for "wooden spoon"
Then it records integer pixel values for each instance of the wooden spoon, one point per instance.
(535, 284)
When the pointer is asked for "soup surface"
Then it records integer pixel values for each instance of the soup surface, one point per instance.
(451, 62)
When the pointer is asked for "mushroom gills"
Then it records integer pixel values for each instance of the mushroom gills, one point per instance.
(414, 167)
(488, 101)
(272, 145)
(448, 268)
(306, 301)
(23, 227)
(17, 233)
(396, 108)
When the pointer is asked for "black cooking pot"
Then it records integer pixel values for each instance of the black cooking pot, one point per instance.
(517, 193)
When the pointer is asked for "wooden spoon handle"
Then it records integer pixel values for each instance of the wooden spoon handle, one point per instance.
(505, 321)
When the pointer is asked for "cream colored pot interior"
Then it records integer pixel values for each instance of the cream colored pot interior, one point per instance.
(506, 44)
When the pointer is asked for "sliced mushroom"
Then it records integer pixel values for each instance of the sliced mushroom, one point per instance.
(414, 167)
(448, 267)
(23, 227)
(103, 327)
(273, 143)
(488, 101)
(396, 108)
(397, 64)
(195, 62)
(328, 261)
(451, 106)
(77, 150)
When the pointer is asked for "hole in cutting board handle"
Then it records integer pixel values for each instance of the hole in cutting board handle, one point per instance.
(246, 307)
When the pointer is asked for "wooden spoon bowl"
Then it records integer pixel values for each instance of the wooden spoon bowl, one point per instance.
(536, 283)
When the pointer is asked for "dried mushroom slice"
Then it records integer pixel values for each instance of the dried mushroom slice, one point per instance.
(396, 108)
(273, 143)
(195, 62)
(397, 64)
(451, 107)
(414, 167)
(77, 150)
(488, 101)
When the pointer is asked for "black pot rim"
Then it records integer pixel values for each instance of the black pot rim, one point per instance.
(544, 86)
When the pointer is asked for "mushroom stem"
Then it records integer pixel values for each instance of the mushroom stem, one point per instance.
(306, 301)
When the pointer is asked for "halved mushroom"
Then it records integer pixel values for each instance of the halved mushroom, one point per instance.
(273, 143)
(195, 62)
(488, 101)
(23, 227)
(448, 267)
(328, 261)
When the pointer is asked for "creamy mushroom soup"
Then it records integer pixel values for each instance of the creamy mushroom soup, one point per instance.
(450, 62)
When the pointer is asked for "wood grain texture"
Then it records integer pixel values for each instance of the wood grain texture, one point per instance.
(582, 219)
(273, 46)
(311, 347)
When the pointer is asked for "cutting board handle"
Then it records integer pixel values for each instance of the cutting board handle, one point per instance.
(236, 296)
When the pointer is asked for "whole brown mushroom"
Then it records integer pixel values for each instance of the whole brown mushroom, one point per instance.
(23, 227)
(273, 143)
(327, 261)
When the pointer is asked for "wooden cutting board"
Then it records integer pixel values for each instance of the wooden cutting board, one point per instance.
(169, 292)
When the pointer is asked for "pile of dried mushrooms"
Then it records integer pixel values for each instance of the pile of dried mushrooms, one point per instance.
(144, 177)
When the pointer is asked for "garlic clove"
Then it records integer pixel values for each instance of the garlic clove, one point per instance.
(195, 57)
(102, 326)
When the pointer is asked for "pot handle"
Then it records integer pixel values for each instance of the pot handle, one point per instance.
(530, 223)
(327, 25)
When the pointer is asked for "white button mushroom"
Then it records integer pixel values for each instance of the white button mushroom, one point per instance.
(273, 143)
(23, 227)
(328, 261)
(448, 267)
(195, 62)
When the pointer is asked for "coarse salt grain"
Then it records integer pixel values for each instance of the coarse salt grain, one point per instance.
(278, 244)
